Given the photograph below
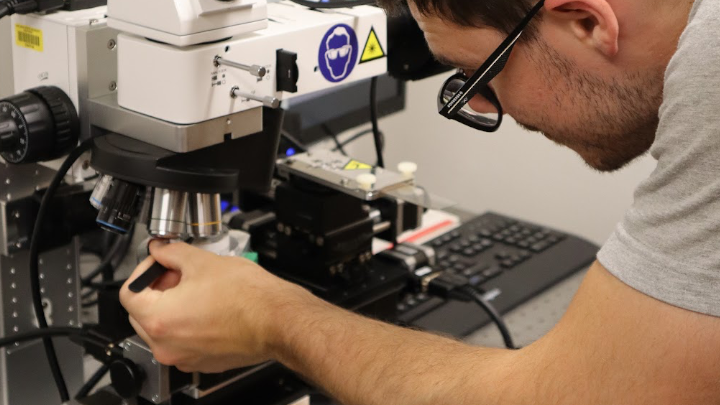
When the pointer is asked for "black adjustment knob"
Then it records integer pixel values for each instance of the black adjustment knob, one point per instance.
(37, 125)
(126, 378)
(8, 135)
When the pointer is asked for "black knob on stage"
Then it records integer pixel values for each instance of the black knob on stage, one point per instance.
(126, 378)
(37, 125)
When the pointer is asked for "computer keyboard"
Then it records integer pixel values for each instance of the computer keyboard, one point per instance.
(508, 259)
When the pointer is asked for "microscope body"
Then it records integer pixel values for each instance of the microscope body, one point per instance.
(181, 98)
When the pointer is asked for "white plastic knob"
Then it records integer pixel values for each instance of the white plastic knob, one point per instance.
(408, 169)
(366, 181)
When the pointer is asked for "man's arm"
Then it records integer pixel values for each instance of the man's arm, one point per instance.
(614, 345)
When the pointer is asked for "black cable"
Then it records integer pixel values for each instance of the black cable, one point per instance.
(106, 284)
(492, 313)
(354, 138)
(333, 135)
(92, 382)
(5, 9)
(34, 264)
(90, 304)
(333, 3)
(106, 262)
(293, 140)
(117, 251)
(48, 333)
(88, 294)
(374, 119)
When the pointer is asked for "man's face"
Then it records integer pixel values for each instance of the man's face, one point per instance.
(608, 115)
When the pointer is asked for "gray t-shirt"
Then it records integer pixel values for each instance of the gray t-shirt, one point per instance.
(668, 244)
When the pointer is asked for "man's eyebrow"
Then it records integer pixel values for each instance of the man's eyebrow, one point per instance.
(450, 62)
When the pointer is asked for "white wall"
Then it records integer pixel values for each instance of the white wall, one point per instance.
(513, 171)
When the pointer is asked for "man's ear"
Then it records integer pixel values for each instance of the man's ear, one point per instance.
(592, 21)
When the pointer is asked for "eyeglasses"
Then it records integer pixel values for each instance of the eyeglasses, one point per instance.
(458, 90)
(343, 51)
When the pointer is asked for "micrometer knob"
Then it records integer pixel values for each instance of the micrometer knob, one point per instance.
(268, 101)
(255, 70)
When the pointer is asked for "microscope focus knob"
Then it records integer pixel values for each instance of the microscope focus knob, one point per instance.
(126, 378)
(37, 125)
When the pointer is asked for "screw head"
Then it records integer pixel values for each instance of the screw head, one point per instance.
(112, 44)
(113, 86)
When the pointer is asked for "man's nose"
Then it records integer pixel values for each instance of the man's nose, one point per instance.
(481, 105)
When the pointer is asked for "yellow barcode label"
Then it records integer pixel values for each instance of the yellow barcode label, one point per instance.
(29, 37)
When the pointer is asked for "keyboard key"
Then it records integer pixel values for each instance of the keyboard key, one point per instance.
(539, 247)
(476, 269)
(507, 263)
(454, 259)
(485, 233)
(474, 239)
(476, 279)
(456, 248)
(469, 252)
(460, 266)
(455, 234)
(491, 272)
(478, 247)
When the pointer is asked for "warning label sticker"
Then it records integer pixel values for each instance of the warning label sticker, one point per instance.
(29, 37)
(373, 49)
(355, 165)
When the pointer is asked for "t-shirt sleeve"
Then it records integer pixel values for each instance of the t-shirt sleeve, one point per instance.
(668, 244)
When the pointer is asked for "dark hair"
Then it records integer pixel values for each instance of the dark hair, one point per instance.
(503, 15)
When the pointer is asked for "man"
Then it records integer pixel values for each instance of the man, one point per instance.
(643, 328)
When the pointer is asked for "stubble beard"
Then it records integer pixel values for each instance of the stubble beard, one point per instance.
(609, 123)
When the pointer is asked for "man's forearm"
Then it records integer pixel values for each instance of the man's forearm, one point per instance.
(362, 361)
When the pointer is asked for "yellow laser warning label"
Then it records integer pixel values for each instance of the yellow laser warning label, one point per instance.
(373, 49)
(355, 165)
(29, 37)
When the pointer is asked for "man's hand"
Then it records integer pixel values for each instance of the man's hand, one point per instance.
(208, 313)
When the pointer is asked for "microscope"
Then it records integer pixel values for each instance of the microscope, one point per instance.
(180, 104)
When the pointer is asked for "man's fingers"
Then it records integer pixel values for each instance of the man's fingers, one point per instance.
(176, 256)
(169, 280)
(139, 303)
(141, 268)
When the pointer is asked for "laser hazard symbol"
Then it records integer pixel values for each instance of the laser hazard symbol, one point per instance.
(355, 165)
(373, 49)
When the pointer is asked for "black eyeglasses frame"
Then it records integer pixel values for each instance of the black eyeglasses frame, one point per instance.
(478, 82)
